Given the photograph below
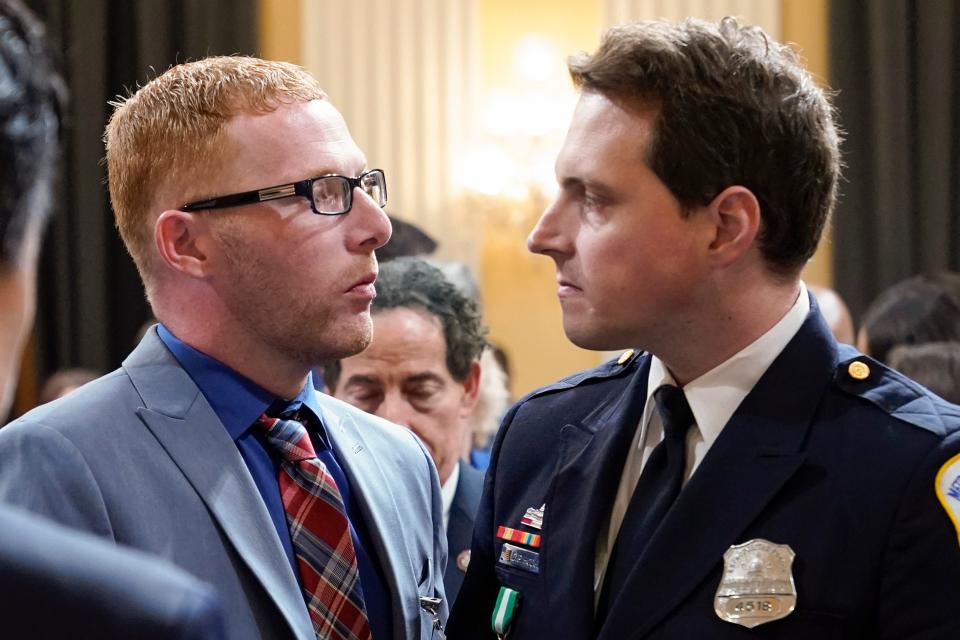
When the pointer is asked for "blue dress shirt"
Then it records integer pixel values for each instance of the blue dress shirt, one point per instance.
(238, 403)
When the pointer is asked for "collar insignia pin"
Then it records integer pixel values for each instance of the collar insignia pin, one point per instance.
(533, 517)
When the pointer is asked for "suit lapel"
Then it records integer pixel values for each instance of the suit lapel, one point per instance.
(463, 512)
(590, 465)
(374, 495)
(758, 451)
(185, 425)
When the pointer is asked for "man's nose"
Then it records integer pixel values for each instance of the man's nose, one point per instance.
(395, 409)
(370, 226)
(545, 237)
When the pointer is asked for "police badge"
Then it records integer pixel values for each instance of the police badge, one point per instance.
(757, 583)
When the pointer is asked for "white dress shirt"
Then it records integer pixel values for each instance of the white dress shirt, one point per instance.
(713, 399)
(448, 490)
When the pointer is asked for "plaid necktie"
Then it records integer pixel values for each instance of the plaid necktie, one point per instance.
(320, 532)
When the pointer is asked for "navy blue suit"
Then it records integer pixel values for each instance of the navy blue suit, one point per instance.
(841, 470)
(60, 583)
(463, 511)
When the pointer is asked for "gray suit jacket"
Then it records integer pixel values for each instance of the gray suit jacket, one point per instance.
(138, 456)
(57, 582)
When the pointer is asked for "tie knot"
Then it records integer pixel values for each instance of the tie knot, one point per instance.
(674, 412)
(289, 438)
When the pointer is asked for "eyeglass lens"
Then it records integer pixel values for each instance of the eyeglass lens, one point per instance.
(375, 186)
(333, 194)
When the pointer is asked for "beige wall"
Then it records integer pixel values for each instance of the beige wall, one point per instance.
(279, 31)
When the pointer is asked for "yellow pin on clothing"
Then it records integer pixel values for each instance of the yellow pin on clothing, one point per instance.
(858, 370)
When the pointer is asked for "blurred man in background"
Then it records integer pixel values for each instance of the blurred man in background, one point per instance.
(65, 381)
(935, 365)
(920, 309)
(422, 370)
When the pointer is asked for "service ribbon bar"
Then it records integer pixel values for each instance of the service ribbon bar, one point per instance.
(515, 535)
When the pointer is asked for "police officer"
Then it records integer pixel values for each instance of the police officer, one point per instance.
(743, 475)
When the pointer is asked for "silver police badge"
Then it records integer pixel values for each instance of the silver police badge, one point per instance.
(757, 583)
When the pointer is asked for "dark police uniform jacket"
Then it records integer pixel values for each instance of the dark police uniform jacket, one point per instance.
(840, 469)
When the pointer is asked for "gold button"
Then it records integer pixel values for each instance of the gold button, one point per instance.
(626, 355)
(463, 560)
(858, 370)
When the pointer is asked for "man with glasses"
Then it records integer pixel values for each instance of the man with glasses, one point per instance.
(253, 220)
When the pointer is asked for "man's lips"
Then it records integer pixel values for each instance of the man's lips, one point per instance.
(566, 288)
(364, 286)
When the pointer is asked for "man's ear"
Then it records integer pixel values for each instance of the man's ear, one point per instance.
(177, 235)
(736, 214)
(471, 387)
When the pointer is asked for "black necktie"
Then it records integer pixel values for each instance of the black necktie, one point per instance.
(657, 489)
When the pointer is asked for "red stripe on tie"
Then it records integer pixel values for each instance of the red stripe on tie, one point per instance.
(320, 533)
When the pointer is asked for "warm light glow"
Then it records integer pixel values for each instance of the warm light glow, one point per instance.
(487, 170)
(536, 59)
(522, 126)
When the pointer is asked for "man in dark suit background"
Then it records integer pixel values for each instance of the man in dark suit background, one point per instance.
(56, 582)
(422, 370)
(746, 476)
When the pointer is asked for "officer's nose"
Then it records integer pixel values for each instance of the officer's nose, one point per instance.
(547, 236)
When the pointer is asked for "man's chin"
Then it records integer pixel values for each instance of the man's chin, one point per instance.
(353, 341)
(595, 338)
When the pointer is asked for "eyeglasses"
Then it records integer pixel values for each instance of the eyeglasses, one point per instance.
(330, 195)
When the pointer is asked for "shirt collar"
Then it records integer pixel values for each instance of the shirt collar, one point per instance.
(715, 395)
(448, 491)
(236, 400)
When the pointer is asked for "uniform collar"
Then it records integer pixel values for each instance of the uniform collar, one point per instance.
(715, 395)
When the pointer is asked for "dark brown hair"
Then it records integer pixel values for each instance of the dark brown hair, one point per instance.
(734, 108)
(413, 283)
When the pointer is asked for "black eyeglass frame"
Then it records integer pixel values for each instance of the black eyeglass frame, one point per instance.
(302, 188)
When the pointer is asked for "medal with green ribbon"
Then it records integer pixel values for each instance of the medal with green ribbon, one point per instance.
(507, 602)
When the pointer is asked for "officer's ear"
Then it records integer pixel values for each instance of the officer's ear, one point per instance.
(471, 387)
(179, 237)
(735, 212)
